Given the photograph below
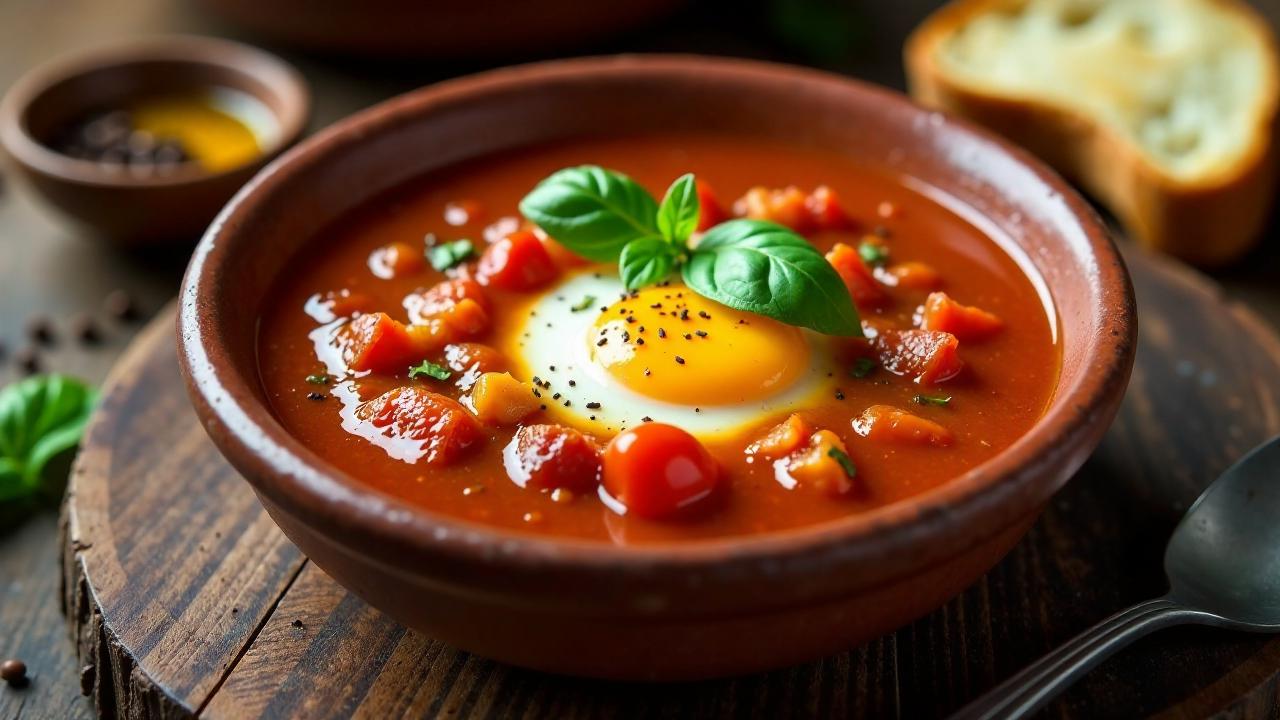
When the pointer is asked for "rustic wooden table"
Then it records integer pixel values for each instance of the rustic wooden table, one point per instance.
(45, 269)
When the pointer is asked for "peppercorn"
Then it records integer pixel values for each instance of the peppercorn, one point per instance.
(85, 330)
(13, 672)
(40, 329)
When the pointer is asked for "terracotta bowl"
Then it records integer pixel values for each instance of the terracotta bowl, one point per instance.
(112, 203)
(438, 28)
(707, 608)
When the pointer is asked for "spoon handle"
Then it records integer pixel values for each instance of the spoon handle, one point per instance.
(1035, 686)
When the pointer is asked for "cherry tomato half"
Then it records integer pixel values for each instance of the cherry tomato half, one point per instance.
(660, 472)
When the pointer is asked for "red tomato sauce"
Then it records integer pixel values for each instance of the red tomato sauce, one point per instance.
(961, 357)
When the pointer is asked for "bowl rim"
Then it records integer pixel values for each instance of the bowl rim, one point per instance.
(272, 71)
(294, 479)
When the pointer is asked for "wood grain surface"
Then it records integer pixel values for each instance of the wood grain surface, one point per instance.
(50, 269)
(184, 598)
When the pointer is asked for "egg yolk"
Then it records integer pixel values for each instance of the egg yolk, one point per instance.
(671, 344)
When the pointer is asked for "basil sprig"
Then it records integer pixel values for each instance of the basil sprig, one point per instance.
(592, 211)
(752, 265)
(41, 421)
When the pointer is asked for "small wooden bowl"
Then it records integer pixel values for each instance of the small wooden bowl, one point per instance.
(115, 204)
(671, 611)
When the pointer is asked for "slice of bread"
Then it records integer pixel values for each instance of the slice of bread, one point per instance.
(1164, 110)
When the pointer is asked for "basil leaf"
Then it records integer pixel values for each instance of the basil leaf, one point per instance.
(430, 369)
(764, 268)
(448, 254)
(645, 262)
(938, 400)
(873, 254)
(41, 421)
(592, 211)
(678, 213)
(584, 304)
(846, 463)
(862, 367)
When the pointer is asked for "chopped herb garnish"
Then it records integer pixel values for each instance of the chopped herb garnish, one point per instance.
(846, 463)
(939, 400)
(318, 379)
(430, 369)
(584, 304)
(873, 253)
(862, 367)
(448, 254)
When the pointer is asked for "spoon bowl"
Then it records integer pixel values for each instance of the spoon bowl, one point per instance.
(1223, 564)
(1224, 557)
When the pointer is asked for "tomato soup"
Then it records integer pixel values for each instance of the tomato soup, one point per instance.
(784, 338)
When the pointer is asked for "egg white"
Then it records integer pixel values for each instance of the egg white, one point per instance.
(552, 348)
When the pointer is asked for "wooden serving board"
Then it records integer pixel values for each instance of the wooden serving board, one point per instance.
(184, 598)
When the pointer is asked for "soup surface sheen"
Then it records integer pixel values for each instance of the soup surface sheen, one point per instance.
(737, 375)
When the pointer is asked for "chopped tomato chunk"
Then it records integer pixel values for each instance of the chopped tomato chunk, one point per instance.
(443, 426)
(660, 472)
(517, 262)
(468, 318)
(396, 260)
(546, 457)
(783, 439)
(461, 357)
(785, 206)
(821, 465)
(927, 356)
(792, 207)
(964, 321)
(856, 275)
(912, 275)
(710, 212)
(430, 338)
(460, 305)
(378, 343)
(442, 297)
(888, 423)
(824, 206)
(500, 399)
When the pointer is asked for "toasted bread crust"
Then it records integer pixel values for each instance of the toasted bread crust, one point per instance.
(1209, 221)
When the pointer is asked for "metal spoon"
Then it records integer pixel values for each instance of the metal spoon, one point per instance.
(1223, 564)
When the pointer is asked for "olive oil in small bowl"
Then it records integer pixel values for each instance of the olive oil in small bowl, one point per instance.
(142, 143)
(216, 129)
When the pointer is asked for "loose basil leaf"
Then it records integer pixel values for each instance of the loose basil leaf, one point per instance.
(584, 304)
(938, 400)
(873, 254)
(448, 254)
(678, 213)
(41, 421)
(764, 268)
(846, 463)
(645, 262)
(592, 211)
(430, 369)
(862, 367)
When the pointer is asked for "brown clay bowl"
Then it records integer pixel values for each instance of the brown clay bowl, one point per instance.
(117, 205)
(437, 28)
(673, 611)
